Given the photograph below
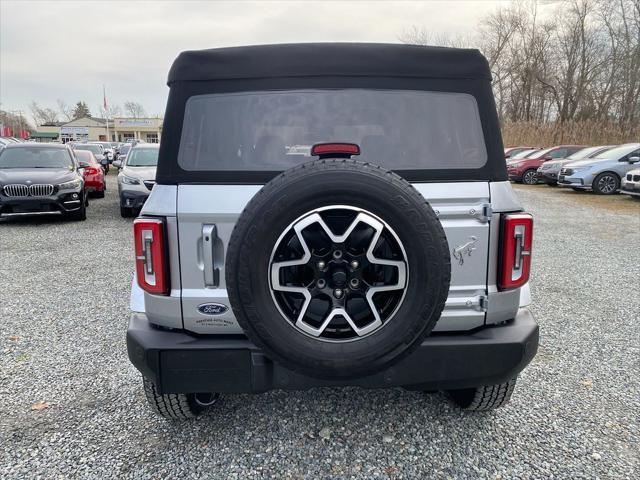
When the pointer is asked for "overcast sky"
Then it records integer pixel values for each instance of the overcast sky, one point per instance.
(69, 49)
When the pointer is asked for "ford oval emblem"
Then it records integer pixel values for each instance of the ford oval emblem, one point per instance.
(212, 309)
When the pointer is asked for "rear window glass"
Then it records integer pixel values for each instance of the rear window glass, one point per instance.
(273, 131)
(95, 149)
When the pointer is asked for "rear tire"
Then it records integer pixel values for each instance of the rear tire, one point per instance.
(530, 177)
(100, 194)
(175, 406)
(606, 183)
(483, 398)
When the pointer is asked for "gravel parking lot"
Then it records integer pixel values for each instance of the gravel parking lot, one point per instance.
(64, 302)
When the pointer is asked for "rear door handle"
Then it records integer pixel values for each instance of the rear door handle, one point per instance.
(211, 273)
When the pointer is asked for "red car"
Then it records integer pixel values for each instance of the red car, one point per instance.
(93, 173)
(525, 170)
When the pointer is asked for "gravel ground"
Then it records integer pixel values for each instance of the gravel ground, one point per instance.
(574, 414)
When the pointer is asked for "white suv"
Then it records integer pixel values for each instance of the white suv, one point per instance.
(136, 177)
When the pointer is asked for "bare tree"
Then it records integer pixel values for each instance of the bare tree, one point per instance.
(42, 115)
(134, 109)
(421, 36)
(15, 121)
(575, 61)
(65, 110)
(110, 112)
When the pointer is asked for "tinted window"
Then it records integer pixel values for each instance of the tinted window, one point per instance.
(84, 156)
(523, 154)
(618, 152)
(35, 157)
(143, 157)
(587, 153)
(272, 131)
(560, 153)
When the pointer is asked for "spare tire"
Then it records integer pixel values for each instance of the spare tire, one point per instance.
(337, 269)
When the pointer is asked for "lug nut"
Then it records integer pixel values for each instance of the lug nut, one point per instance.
(321, 283)
(337, 293)
(355, 283)
(354, 264)
(321, 265)
(337, 254)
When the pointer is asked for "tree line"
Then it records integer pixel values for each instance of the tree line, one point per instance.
(581, 63)
(64, 112)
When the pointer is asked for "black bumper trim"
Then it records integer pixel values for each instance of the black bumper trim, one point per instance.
(132, 198)
(56, 204)
(182, 363)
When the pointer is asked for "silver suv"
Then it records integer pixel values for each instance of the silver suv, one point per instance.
(330, 214)
(136, 177)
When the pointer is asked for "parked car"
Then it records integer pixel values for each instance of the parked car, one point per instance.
(93, 173)
(40, 179)
(122, 152)
(603, 173)
(136, 178)
(631, 183)
(511, 151)
(549, 171)
(291, 274)
(525, 170)
(97, 151)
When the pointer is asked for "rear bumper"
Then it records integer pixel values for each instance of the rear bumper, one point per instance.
(178, 362)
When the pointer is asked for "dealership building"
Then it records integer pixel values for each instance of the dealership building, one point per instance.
(99, 129)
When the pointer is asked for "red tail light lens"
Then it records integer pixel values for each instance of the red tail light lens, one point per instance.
(517, 239)
(151, 255)
(329, 149)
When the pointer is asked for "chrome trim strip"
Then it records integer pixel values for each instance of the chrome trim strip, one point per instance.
(24, 214)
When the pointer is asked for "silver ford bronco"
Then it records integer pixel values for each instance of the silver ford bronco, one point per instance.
(330, 215)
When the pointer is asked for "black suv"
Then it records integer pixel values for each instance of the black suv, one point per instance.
(41, 179)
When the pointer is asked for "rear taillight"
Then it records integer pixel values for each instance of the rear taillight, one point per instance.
(151, 255)
(515, 252)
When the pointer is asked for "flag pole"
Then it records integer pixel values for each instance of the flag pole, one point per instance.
(106, 113)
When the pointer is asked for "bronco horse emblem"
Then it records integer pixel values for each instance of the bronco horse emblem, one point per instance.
(464, 250)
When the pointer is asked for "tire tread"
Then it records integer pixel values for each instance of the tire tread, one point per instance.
(173, 406)
(483, 398)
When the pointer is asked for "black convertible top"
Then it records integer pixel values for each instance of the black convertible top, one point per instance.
(322, 66)
(329, 59)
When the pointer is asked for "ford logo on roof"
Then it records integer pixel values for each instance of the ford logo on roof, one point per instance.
(213, 309)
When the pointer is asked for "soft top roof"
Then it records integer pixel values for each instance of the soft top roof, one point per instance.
(328, 59)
